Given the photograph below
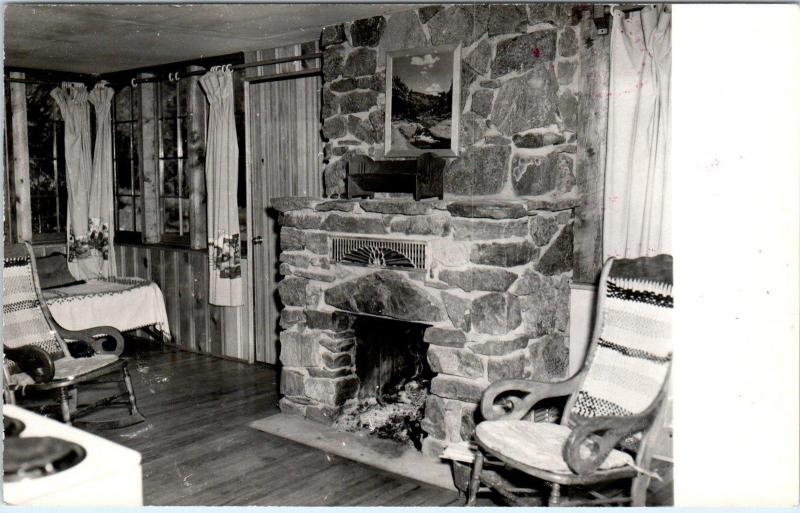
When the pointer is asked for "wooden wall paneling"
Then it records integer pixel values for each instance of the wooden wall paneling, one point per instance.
(246, 347)
(172, 279)
(148, 159)
(185, 289)
(592, 127)
(249, 327)
(129, 261)
(200, 308)
(19, 139)
(217, 316)
(195, 162)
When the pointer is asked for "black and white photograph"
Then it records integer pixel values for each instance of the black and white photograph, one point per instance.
(422, 108)
(400, 255)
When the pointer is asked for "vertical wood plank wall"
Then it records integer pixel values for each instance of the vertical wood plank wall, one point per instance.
(286, 160)
(182, 275)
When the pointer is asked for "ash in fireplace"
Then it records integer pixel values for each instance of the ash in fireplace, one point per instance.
(395, 415)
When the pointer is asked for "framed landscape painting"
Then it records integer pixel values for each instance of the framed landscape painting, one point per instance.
(423, 97)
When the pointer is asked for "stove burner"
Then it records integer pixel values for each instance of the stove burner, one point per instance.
(12, 427)
(32, 457)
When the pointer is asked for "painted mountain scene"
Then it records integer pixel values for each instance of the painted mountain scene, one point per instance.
(422, 101)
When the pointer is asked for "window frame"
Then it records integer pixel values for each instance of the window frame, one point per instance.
(131, 236)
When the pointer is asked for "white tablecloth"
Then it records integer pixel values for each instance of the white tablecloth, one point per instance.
(123, 303)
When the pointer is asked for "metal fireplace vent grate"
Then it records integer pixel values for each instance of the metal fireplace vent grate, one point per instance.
(373, 252)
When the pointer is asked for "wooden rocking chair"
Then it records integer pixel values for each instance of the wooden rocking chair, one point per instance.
(614, 401)
(38, 359)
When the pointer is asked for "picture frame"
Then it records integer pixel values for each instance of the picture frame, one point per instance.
(422, 109)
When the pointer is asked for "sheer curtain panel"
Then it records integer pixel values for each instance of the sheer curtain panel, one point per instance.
(101, 198)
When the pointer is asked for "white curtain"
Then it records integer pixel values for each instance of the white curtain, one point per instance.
(82, 255)
(222, 178)
(638, 196)
(101, 197)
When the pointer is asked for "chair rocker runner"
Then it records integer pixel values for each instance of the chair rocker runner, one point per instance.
(38, 357)
(614, 407)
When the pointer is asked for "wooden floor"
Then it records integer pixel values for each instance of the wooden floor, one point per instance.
(198, 451)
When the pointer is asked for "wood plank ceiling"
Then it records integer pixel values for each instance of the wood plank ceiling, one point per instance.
(104, 38)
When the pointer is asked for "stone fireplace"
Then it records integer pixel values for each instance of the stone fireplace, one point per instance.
(484, 282)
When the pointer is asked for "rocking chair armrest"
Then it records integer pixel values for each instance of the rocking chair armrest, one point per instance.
(515, 408)
(33, 361)
(88, 335)
(592, 439)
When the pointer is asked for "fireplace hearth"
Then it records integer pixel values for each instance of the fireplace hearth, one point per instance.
(482, 296)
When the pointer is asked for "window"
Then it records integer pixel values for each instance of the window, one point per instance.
(127, 173)
(47, 165)
(174, 191)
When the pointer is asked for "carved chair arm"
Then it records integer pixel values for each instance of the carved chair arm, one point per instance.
(33, 361)
(88, 335)
(592, 439)
(496, 407)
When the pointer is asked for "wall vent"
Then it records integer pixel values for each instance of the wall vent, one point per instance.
(384, 253)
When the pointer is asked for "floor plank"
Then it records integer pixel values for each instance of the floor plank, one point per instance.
(198, 451)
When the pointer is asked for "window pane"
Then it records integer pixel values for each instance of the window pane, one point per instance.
(122, 141)
(125, 213)
(122, 102)
(124, 176)
(46, 218)
(170, 178)
(43, 178)
(169, 137)
(168, 99)
(135, 174)
(171, 215)
(183, 88)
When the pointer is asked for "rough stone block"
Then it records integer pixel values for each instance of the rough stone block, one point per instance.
(507, 367)
(292, 291)
(453, 25)
(344, 85)
(405, 207)
(295, 259)
(458, 310)
(388, 294)
(483, 278)
(331, 392)
(297, 350)
(292, 383)
(421, 225)
(338, 205)
(567, 43)
(549, 357)
(537, 140)
(433, 423)
(445, 337)
(289, 203)
(334, 127)
(454, 387)
(322, 413)
(361, 61)
(542, 229)
(290, 407)
(488, 209)
(322, 372)
(360, 128)
(403, 30)
(334, 321)
(456, 362)
(566, 71)
(482, 102)
(568, 110)
(481, 170)
(358, 101)
(354, 224)
(483, 229)
(524, 52)
(473, 128)
(316, 243)
(292, 239)
(507, 19)
(337, 345)
(539, 311)
(527, 101)
(428, 12)
(503, 254)
(332, 34)
(433, 447)
(500, 346)
(303, 220)
(496, 313)
(291, 317)
(332, 61)
(368, 31)
(468, 414)
(336, 360)
(558, 257)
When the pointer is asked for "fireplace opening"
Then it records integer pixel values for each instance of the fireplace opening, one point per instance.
(394, 381)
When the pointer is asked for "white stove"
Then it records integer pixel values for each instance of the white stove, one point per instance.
(100, 473)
